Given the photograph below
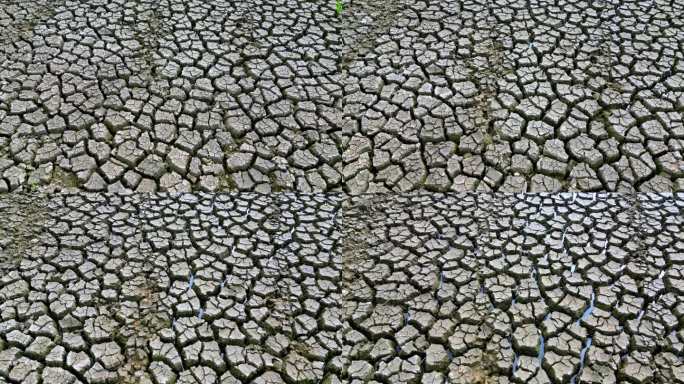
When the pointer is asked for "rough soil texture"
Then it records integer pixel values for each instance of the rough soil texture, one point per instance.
(387, 96)
(252, 191)
(295, 288)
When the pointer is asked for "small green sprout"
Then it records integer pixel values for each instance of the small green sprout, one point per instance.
(339, 6)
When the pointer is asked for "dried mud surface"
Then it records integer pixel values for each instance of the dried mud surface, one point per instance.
(387, 96)
(295, 288)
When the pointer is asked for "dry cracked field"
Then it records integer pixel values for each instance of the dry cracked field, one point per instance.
(301, 288)
(389, 95)
(354, 191)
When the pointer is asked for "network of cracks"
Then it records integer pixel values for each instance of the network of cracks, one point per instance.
(326, 288)
(277, 102)
(386, 95)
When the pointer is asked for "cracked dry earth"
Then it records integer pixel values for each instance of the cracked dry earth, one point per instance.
(295, 288)
(390, 95)
(218, 191)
